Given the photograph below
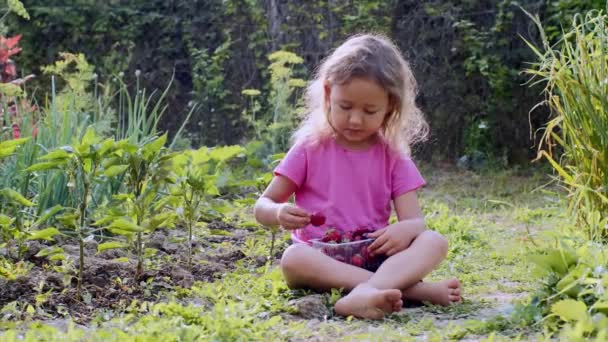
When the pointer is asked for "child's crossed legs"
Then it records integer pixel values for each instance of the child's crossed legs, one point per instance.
(374, 294)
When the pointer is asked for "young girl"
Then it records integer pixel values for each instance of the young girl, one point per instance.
(348, 161)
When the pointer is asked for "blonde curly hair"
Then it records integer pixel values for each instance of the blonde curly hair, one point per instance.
(377, 58)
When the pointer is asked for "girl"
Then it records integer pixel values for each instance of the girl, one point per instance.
(348, 161)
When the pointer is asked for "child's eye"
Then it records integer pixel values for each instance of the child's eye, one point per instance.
(343, 107)
(369, 112)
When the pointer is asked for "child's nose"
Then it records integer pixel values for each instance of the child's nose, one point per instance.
(356, 118)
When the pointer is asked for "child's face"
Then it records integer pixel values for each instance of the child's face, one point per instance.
(357, 110)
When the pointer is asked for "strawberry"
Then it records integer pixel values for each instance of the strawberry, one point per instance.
(357, 260)
(332, 235)
(361, 233)
(347, 237)
(317, 219)
(365, 252)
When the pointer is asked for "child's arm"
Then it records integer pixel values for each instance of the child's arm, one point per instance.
(398, 236)
(272, 208)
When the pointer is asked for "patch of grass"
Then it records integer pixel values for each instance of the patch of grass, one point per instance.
(492, 221)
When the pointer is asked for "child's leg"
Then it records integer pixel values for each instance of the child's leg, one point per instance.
(404, 271)
(304, 266)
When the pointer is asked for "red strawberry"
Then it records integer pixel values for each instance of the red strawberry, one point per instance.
(347, 237)
(332, 235)
(357, 260)
(365, 252)
(317, 219)
(361, 233)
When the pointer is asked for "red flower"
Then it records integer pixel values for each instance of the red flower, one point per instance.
(8, 47)
(9, 72)
(16, 131)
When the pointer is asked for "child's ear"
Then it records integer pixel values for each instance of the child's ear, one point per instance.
(326, 92)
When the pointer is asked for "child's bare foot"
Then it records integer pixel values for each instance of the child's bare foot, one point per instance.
(444, 292)
(366, 301)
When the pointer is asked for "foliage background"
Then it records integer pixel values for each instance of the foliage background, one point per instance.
(467, 56)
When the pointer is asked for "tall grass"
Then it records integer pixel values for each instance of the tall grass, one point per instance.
(575, 142)
(64, 117)
(64, 120)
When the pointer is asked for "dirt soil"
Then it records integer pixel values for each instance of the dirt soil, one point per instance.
(109, 276)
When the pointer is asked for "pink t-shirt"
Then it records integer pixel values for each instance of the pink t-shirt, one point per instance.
(352, 188)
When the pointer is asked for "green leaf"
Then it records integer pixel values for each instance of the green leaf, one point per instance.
(46, 166)
(220, 232)
(570, 310)
(110, 245)
(56, 154)
(16, 197)
(68, 219)
(115, 170)
(13, 143)
(49, 251)
(48, 214)
(106, 146)
(57, 257)
(556, 260)
(103, 221)
(5, 220)
(155, 146)
(226, 152)
(6, 273)
(44, 234)
(123, 259)
(124, 197)
(567, 178)
(6, 152)
(9, 89)
(601, 307)
(162, 219)
(200, 156)
(8, 147)
(211, 189)
(125, 225)
(90, 137)
(250, 224)
(87, 165)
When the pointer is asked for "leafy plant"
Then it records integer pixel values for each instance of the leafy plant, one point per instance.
(575, 290)
(83, 162)
(138, 116)
(576, 79)
(70, 111)
(147, 167)
(198, 173)
(276, 126)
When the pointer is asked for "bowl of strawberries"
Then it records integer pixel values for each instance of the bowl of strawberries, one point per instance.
(349, 247)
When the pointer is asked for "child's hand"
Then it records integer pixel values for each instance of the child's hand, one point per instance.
(391, 240)
(291, 217)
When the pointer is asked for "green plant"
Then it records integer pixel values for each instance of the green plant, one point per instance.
(138, 116)
(11, 271)
(573, 296)
(283, 117)
(70, 111)
(576, 90)
(147, 168)
(197, 175)
(22, 225)
(276, 126)
(84, 164)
